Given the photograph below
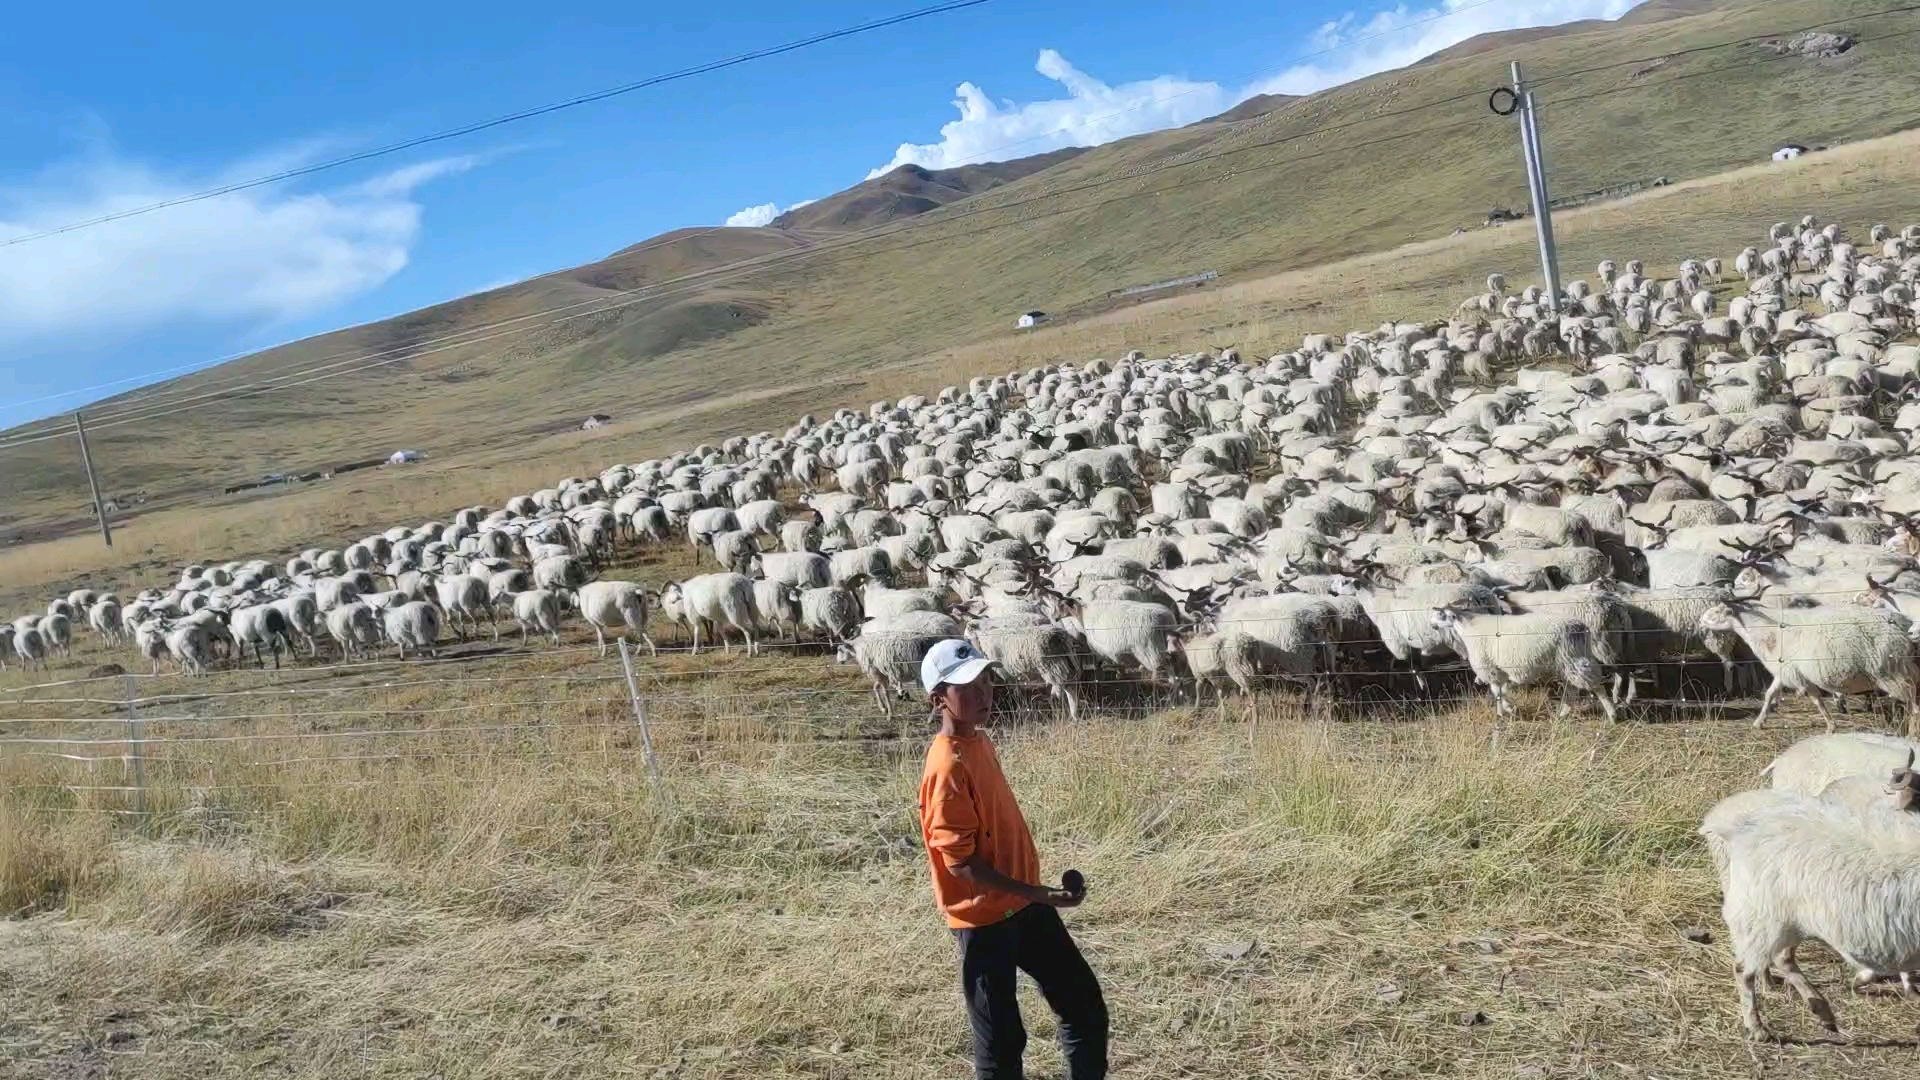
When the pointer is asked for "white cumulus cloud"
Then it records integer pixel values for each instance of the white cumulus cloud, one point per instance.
(1357, 44)
(759, 217)
(1092, 113)
(1352, 46)
(262, 255)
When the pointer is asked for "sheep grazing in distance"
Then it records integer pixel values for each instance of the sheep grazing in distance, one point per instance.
(57, 631)
(353, 627)
(614, 603)
(262, 626)
(712, 601)
(30, 647)
(414, 624)
(538, 610)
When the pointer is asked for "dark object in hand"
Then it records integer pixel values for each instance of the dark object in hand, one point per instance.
(1074, 882)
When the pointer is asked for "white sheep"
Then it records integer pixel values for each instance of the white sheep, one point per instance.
(1029, 651)
(1813, 763)
(353, 627)
(881, 602)
(414, 624)
(57, 631)
(465, 598)
(104, 617)
(261, 626)
(610, 603)
(1403, 618)
(889, 651)
(29, 646)
(830, 611)
(537, 609)
(303, 618)
(735, 550)
(712, 601)
(190, 644)
(559, 572)
(865, 562)
(800, 536)
(1507, 651)
(705, 524)
(1829, 649)
(1129, 633)
(777, 608)
(1796, 867)
(763, 517)
(802, 569)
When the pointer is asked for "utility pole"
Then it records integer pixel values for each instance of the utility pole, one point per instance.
(86, 457)
(1521, 101)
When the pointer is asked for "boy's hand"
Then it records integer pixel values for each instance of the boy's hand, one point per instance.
(1060, 898)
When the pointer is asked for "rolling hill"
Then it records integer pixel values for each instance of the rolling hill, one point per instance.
(910, 190)
(917, 262)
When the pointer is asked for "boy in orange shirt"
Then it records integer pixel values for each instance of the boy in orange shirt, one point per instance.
(986, 877)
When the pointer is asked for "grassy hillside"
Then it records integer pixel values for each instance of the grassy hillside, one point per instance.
(790, 316)
(911, 190)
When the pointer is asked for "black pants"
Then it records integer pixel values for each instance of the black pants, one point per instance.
(1035, 941)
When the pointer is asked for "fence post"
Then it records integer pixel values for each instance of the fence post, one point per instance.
(639, 712)
(136, 751)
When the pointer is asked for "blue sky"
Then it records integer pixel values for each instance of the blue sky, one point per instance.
(108, 106)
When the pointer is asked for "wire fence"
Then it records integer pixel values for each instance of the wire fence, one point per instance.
(246, 739)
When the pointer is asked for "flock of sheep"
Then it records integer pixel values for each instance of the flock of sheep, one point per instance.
(1698, 469)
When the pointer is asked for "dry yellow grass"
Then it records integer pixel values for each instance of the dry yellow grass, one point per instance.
(490, 886)
(522, 903)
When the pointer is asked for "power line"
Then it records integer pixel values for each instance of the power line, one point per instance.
(685, 283)
(182, 394)
(498, 121)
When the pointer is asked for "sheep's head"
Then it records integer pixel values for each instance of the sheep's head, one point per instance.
(1719, 618)
(1904, 786)
(1445, 618)
(673, 601)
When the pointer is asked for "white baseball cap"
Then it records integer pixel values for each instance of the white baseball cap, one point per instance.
(954, 660)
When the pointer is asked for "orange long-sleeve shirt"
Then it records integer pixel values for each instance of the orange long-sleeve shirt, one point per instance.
(967, 807)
